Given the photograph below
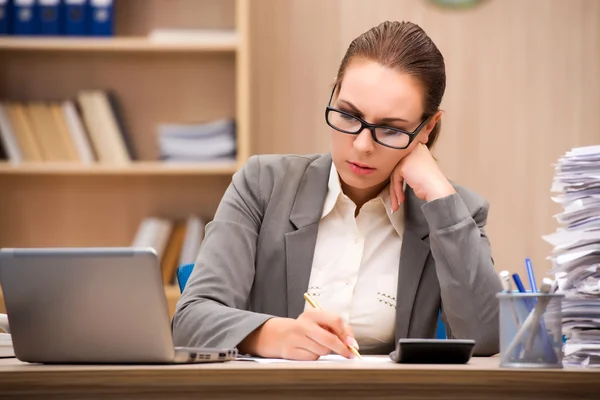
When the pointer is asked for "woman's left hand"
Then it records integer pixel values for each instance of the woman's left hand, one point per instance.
(422, 173)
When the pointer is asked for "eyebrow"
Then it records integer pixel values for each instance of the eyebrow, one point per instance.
(356, 110)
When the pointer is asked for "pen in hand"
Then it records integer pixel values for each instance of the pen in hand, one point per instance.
(314, 304)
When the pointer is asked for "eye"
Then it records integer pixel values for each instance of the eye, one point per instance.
(347, 117)
(389, 131)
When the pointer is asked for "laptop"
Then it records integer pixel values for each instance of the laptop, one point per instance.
(91, 305)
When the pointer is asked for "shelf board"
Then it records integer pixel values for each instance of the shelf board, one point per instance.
(135, 168)
(224, 43)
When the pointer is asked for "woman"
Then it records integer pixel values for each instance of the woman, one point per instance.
(374, 230)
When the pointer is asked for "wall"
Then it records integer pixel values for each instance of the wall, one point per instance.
(523, 87)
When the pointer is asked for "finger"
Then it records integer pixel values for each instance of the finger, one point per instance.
(348, 330)
(350, 340)
(314, 347)
(334, 333)
(393, 199)
(300, 354)
(329, 340)
(399, 188)
(329, 320)
(332, 323)
(396, 192)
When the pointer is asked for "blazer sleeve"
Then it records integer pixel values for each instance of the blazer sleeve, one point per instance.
(212, 310)
(465, 269)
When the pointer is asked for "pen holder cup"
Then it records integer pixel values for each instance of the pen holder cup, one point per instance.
(530, 330)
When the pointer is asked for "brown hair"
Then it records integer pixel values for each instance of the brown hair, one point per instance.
(406, 47)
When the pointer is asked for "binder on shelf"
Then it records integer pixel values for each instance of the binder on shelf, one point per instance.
(49, 14)
(76, 18)
(8, 138)
(25, 18)
(102, 17)
(5, 17)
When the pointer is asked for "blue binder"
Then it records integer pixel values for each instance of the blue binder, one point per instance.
(5, 17)
(76, 17)
(102, 17)
(25, 20)
(49, 13)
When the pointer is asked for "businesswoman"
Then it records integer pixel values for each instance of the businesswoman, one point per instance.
(374, 231)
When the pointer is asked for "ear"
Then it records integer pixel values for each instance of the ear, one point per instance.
(433, 120)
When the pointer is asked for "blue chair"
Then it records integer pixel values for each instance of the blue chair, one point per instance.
(184, 272)
(440, 330)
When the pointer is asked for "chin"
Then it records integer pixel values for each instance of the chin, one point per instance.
(360, 182)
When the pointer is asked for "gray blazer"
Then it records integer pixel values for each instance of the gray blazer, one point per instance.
(256, 258)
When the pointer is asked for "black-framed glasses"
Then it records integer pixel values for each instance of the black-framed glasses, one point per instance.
(387, 136)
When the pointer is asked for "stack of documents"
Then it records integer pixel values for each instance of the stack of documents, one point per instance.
(576, 254)
(6, 346)
(211, 141)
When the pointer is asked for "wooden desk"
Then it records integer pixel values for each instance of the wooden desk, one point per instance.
(480, 379)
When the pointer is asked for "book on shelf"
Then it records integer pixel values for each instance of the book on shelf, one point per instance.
(105, 133)
(5, 16)
(208, 141)
(86, 130)
(3, 154)
(176, 242)
(11, 148)
(92, 129)
(57, 17)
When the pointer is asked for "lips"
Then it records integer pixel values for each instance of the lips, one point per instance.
(361, 165)
(360, 169)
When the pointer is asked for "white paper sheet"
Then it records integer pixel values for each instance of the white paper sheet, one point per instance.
(327, 358)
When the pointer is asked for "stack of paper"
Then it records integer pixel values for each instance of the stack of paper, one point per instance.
(6, 346)
(576, 254)
(212, 141)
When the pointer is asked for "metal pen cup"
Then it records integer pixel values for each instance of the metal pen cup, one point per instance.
(530, 330)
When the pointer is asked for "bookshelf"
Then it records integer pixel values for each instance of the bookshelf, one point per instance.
(141, 168)
(132, 44)
(156, 81)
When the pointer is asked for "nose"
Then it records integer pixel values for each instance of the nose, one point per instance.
(364, 141)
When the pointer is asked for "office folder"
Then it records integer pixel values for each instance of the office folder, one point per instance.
(24, 17)
(102, 17)
(5, 17)
(49, 13)
(76, 18)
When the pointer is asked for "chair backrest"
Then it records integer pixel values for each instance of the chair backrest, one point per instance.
(183, 274)
(440, 330)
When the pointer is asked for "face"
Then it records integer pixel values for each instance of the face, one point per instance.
(381, 96)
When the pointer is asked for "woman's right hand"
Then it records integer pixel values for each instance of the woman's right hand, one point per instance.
(313, 334)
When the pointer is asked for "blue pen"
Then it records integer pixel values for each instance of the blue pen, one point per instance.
(529, 303)
(531, 276)
(518, 282)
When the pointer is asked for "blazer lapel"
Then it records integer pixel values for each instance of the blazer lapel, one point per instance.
(300, 244)
(413, 256)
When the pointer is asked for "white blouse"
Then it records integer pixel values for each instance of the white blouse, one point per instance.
(355, 265)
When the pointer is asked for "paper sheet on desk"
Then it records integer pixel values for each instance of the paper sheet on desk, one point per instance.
(327, 358)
